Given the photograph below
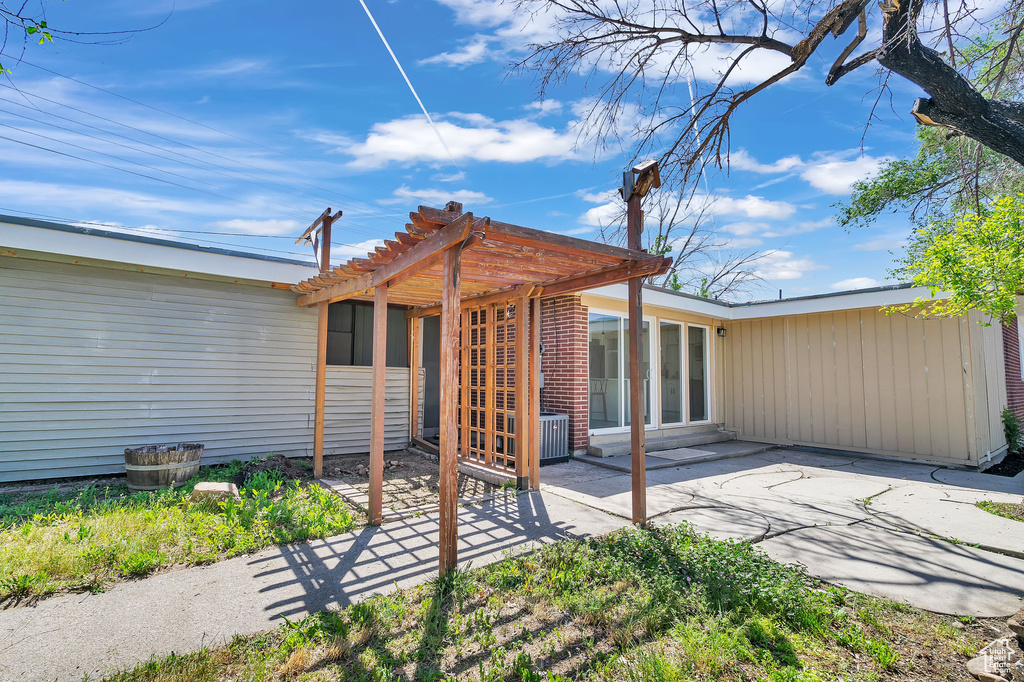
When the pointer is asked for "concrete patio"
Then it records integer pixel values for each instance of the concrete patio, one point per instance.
(899, 530)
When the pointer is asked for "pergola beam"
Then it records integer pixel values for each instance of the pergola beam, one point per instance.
(613, 274)
(416, 259)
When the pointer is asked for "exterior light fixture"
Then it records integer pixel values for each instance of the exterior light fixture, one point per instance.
(720, 331)
(639, 180)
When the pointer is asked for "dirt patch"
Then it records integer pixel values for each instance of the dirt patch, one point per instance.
(410, 479)
(1011, 465)
(292, 469)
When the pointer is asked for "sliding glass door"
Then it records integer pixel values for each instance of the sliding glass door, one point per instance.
(671, 373)
(683, 366)
(605, 372)
(608, 346)
(684, 362)
(697, 374)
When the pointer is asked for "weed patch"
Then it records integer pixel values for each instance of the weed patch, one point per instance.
(54, 541)
(1004, 509)
(658, 604)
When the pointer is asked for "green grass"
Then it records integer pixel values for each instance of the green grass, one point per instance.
(640, 605)
(1004, 509)
(52, 542)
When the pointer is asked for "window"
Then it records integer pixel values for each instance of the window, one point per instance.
(608, 347)
(697, 361)
(671, 373)
(350, 335)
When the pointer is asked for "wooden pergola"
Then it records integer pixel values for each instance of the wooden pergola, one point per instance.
(486, 280)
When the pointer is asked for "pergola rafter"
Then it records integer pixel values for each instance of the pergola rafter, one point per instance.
(444, 263)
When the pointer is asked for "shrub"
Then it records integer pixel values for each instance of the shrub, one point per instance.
(1013, 427)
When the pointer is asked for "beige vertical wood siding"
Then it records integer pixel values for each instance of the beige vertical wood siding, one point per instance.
(94, 360)
(864, 381)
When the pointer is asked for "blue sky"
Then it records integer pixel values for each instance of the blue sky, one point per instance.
(229, 121)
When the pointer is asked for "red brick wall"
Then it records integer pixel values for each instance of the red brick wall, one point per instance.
(564, 363)
(1011, 355)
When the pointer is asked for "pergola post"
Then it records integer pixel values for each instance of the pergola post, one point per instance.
(638, 464)
(320, 397)
(414, 377)
(524, 446)
(535, 394)
(449, 407)
(379, 377)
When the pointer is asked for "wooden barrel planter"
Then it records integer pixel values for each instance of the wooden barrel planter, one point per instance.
(153, 467)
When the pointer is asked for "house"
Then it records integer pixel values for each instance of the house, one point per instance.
(829, 371)
(110, 340)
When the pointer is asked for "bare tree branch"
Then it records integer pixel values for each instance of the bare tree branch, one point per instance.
(639, 53)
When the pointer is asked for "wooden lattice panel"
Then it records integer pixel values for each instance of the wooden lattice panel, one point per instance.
(489, 388)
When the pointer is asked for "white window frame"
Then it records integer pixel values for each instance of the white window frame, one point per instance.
(684, 403)
(707, 374)
(652, 348)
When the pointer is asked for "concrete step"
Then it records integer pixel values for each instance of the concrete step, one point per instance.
(621, 444)
(656, 434)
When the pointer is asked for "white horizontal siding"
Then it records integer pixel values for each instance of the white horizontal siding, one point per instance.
(94, 360)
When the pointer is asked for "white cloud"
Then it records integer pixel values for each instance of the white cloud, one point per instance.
(230, 67)
(799, 228)
(437, 197)
(836, 175)
(603, 215)
(854, 283)
(711, 62)
(81, 198)
(737, 243)
(750, 206)
(358, 250)
(473, 52)
(776, 264)
(261, 227)
(745, 229)
(889, 242)
(545, 106)
(453, 177)
(476, 137)
(742, 160)
(578, 231)
(481, 12)
(831, 172)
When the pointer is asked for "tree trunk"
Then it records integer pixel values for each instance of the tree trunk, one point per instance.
(952, 101)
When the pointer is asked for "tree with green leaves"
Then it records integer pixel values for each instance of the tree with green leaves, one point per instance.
(965, 200)
(977, 259)
(951, 174)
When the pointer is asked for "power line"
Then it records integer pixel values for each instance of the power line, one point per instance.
(334, 193)
(148, 106)
(156, 232)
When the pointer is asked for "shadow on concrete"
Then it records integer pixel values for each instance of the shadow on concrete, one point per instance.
(372, 560)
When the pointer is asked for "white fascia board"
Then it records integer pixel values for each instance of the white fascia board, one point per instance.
(98, 247)
(667, 300)
(852, 300)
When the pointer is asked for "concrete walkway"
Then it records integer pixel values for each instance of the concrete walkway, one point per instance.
(65, 637)
(907, 532)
